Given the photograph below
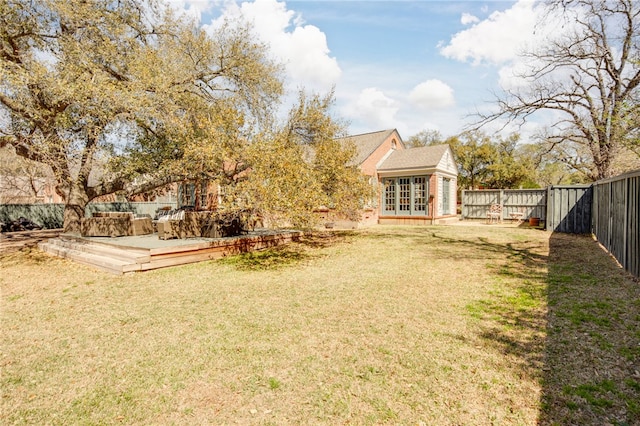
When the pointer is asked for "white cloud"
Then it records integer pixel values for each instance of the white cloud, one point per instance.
(374, 108)
(301, 48)
(496, 40)
(191, 8)
(468, 18)
(432, 94)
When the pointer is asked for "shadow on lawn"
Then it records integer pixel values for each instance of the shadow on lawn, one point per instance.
(584, 348)
(301, 250)
(569, 319)
(512, 317)
(592, 353)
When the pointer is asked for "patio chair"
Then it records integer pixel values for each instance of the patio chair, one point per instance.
(169, 225)
(494, 213)
(181, 224)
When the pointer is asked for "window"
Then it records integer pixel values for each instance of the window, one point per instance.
(406, 196)
(404, 185)
(390, 196)
(187, 194)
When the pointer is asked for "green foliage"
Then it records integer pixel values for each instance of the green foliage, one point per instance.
(425, 138)
(493, 163)
(126, 96)
(510, 169)
(301, 167)
(474, 153)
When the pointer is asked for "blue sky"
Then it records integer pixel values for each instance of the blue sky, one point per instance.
(411, 65)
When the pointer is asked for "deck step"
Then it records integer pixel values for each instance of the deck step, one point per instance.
(120, 259)
(128, 255)
(105, 263)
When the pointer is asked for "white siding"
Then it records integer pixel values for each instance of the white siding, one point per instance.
(447, 163)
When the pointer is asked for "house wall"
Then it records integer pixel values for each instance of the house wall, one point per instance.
(433, 191)
(28, 190)
(435, 209)
(447, 164)
(369, 166)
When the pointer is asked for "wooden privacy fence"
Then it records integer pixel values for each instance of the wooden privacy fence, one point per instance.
(569, 209)
(616, 218)
(609, 209)
(561, 208)
(530, 202)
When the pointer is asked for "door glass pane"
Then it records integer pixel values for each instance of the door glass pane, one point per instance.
(404, 186)
(445, 196)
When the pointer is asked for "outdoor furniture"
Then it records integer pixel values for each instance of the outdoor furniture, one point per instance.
(517, 216)
(494, 214)
(205, 224)
(115, 224)
(181, 224)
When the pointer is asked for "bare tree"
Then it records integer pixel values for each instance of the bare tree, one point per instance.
(588, 76)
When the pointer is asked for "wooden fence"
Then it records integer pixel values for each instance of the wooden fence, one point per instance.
(609, 209)
(569, 209)
(616, 218)
(530, 202)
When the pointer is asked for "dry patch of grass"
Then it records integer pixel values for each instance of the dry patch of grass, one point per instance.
(398, 325)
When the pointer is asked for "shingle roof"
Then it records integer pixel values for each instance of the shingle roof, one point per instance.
(367, 143)
(414, 158)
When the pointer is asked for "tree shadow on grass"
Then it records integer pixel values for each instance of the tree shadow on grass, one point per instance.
(583, 344)
(303, 249)
(592, 352)
(511, 318)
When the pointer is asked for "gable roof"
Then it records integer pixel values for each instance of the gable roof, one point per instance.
(367, 143)
(425, 157)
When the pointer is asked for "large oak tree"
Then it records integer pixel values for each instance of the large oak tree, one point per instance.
(121, 95)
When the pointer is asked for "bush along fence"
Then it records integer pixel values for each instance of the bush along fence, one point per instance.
(609, 209)
(51, 216)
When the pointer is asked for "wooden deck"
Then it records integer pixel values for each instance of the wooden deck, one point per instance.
(120, 255)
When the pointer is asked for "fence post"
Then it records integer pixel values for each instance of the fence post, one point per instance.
(550, 220)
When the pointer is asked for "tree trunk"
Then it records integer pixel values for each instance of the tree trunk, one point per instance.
(74, 210)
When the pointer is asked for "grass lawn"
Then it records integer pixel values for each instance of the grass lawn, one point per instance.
(448, 325)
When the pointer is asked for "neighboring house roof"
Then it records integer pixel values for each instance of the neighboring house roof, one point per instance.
(367, 143)
(427, 157)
